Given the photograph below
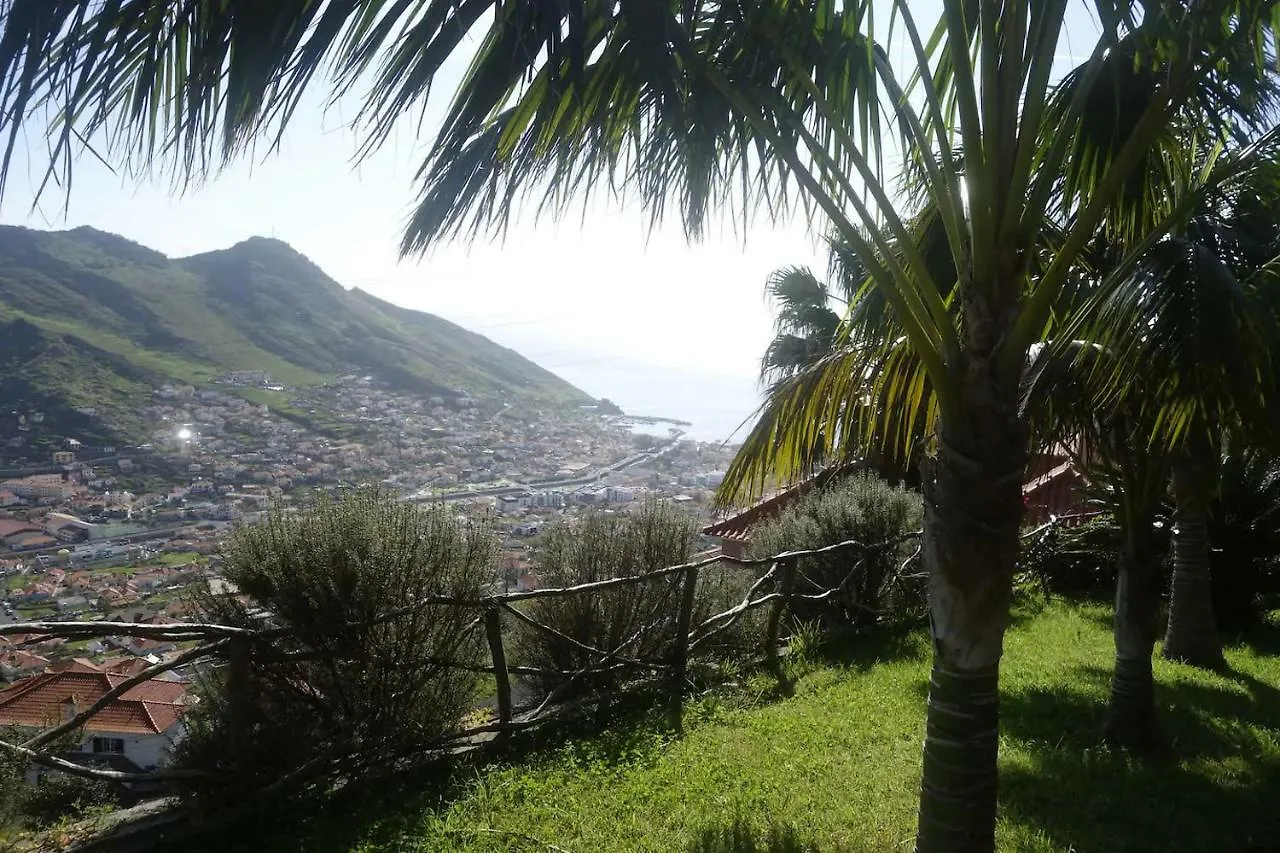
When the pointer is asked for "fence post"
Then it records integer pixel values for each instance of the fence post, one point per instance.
(493, 629)
(238, 699)
(786, 581)
(680, 653)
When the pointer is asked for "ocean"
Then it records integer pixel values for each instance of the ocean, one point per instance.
(716, 405)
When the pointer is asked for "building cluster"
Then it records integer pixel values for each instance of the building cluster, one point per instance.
(354, 431)
(120, 533)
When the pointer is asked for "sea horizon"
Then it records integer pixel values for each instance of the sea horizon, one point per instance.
(715, 405)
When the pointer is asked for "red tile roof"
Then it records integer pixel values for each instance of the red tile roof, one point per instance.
(20, 659)
(737, 527)
(124, 665)
(10, 526)
(1057, 492)
(1052, 469)
(147, 708)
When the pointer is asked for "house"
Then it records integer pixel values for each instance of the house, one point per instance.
(34, 593)
(19, 663)
(148, 581)
(37, 539)
(38, 642)
(79, 582)
(141, 646)
(68, 603)
(1053, 488)
(70, 532)
(135, 731)
(733, 534)
(126, 666)
(8, 498)
(121, 596)
(41, 487)
(67, 528)
(12, 530)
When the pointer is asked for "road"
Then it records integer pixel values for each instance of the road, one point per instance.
(581, 480)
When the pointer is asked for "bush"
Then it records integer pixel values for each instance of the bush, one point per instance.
(1077, 561)
(53, 797)
(1245, 539)
(861, 507)
(346, 684)
(59, 796)
(637, 620)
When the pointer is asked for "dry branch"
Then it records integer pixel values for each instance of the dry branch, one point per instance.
(735, 612)
(73, 769)
(614, 655)
(219, 636)
(181, 631)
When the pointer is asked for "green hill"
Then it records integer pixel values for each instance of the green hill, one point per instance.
(90, 319)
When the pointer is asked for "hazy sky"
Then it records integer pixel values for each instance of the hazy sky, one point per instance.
(564, 294)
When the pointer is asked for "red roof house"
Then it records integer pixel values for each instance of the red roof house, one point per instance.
(1053, 487)
(135, 729)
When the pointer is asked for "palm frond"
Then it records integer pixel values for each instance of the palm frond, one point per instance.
(1186, 323)
(853, 401)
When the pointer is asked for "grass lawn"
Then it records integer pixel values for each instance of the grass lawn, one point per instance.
(176, 558)
(835, 767)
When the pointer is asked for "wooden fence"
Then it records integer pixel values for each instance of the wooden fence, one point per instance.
(778, 587)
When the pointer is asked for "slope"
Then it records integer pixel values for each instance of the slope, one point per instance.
(313, 322)
(104, 319)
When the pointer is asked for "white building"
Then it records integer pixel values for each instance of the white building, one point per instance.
(136, 731)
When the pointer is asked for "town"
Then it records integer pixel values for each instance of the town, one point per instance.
(122, 533)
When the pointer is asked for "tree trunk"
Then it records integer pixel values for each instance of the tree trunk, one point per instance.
(973, 508)
(1192, 634)
(1131, 717)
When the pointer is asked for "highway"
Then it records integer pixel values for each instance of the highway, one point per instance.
(581, 480)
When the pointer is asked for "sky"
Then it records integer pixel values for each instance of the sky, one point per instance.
(592, 291)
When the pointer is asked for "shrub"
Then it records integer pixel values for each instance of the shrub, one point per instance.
(1245, 538)
(60, 796)
(347, 683)
(52, 797)
(1077, 561)
(861, 507)
(636, 620)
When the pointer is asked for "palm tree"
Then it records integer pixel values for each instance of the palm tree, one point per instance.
(1111, 444)
(1244, 525)
(808, 331)
(728, 105)
(1136, 396)
(1194, 326)
(806, 327)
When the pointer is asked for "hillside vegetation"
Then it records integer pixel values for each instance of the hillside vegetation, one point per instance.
(91, 319)
(836, 766)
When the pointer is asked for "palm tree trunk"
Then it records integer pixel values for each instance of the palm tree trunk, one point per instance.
(973, 506)
(1131, 717)
(1192, 633)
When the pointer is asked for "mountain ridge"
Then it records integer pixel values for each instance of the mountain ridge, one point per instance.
(102, 318)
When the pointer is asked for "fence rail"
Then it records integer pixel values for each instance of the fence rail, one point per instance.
(230, 645)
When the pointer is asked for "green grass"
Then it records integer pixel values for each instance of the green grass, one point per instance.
(835, 767)
(156, 361)
(174, 558)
